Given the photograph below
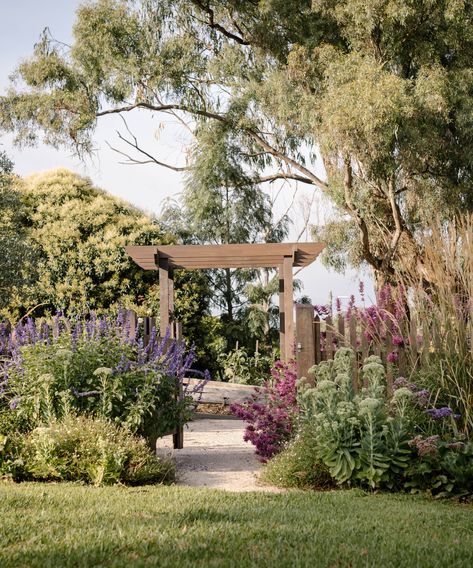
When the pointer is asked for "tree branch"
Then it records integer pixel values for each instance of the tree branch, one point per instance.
(364, 235)
(286, 176)
(313, 179)
(216, 26)
(396, 213)
(134, 144)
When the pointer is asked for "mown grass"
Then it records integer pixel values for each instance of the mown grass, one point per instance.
(61, 525)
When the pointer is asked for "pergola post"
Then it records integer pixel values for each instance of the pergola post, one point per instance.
(166, 294)
(282, 319)
(286, 308)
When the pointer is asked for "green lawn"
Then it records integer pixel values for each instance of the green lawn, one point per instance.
(68, 525)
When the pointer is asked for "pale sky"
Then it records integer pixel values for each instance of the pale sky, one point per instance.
(146, 185)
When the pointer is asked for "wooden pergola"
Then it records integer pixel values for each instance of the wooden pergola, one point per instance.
(283, 256)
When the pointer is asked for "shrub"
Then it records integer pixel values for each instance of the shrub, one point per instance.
(443, 468)
(271, 412)
(239, 367)
(364, 438)
(298, 465)
(359, 437)
(96, 367)
(89, 450)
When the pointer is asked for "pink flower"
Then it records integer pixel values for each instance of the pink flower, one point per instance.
(392, 357)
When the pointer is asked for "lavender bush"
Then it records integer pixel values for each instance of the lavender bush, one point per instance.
(95, 366)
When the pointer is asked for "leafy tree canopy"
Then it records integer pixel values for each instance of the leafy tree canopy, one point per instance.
(379, 89)
(16, 255)
(78, 233)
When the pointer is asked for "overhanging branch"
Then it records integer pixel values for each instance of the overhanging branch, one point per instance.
(306, 175)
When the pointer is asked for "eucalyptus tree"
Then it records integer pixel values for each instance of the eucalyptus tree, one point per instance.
(379, 90)
(221, 204)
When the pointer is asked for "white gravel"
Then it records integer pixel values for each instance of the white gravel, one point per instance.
(215, 456)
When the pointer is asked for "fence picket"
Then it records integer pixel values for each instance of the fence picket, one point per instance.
(413, 340)
(389, 350)
(318, 356)
(397, 356)
(425, 342)
(341, 330)
(329, 338)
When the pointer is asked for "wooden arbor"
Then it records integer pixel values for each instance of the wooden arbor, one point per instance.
(284, 256)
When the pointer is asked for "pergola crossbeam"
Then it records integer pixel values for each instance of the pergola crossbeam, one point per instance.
(283, 256)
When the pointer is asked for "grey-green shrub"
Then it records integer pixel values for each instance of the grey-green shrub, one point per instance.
(360, 437)
(93, 451)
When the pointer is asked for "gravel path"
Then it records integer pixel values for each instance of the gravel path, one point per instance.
(215, 456)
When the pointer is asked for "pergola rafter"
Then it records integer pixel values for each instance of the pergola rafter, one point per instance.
(283, 256)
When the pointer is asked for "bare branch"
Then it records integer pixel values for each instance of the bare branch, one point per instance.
(286, 176)
(307, 212)
(216, 26)
(315, 180)
(151, 159)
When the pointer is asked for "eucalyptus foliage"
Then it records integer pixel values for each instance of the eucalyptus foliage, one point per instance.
(368, 102)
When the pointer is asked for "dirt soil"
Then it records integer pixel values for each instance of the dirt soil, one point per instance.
(215, 456)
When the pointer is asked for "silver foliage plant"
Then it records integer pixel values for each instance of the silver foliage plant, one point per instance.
(362, 437)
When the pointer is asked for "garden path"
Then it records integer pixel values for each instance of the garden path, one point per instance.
(215, 456)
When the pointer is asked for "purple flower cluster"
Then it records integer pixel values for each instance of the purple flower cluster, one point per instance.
(164, 356)
(421, 396)
(323, 311)
(439, 413)
(270, 413)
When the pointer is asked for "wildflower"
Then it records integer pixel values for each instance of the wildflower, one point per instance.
(425, 446)
(102, 372)
(392, 357)
(456, 445)
(401, 393)
(369, 405)
(338, 304)
(398, 340)
(64, 355)
(439, 413)
(422, 398)
(326, 386)
(401, 382)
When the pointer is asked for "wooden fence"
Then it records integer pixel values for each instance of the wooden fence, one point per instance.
(400, 349)
(148, 323)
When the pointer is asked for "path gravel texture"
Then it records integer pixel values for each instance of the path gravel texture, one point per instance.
(215, 456)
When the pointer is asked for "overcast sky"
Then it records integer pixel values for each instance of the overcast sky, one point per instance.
(145, 186)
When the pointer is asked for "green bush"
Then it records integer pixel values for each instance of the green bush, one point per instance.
(442, 468)
(78, 448)
(239, 367)
(298, 465)
(370, 440)
(94, 367)
(360, 437)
